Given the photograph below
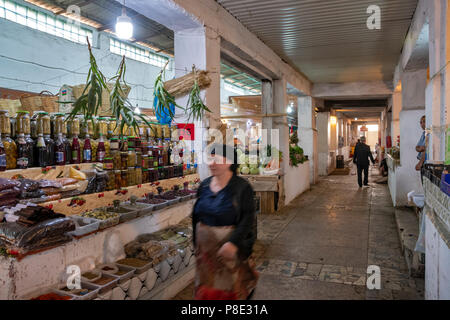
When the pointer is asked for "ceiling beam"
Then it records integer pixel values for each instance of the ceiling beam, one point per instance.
(80, 4)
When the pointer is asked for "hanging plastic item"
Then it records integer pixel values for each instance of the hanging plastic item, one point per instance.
(162, 114)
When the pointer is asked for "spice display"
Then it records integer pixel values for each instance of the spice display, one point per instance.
(103, 280)
(52, 296)
(100, 214)
(133, 262)
(78, 292)
(131, 176)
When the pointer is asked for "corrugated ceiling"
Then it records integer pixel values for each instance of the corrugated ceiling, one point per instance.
(328, 40)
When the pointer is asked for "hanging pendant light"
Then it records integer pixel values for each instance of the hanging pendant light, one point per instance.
(124, 25)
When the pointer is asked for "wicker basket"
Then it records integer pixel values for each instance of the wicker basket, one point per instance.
(11, 105)
(105, 109)
(45, 101)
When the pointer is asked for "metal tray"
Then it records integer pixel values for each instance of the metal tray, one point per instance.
(155, 206)
(108, 286)
(126, 216)
(84, 285)
(91, 225)
(142, 210)
(108, 223)
(137, 270)
(124, 277)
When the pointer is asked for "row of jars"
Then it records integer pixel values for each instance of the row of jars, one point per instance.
(137, 175)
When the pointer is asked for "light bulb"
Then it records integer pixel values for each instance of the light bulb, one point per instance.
(289, 109)
(235, 109)
(124, 26)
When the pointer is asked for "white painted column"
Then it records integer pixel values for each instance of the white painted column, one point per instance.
(267, 108)
(323, 142)
(395, 120)
(306, 132)
(200, 47)
(438, 89)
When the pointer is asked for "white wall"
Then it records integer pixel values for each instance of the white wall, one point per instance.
(296, 181)
(437, 264)
(21, 42)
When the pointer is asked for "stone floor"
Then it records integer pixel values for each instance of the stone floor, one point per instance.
(320, 245)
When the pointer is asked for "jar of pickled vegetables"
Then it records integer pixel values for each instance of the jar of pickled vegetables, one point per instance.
(138, 175)
(114, 144)
(131, 162)
(75, 126)
(174, 133)
(108, 163)
(8, 144)
(102, 126)
(117, 161)
(166, 131)
(59, 125)
(142, 130)
(151, 131)
(118, 179)
(124, 178)
(145, 161)
(131, 176)
(159, 132)
(124, 160)
(111, 180)
(145, 176)
(138, 157)
(46, 125)
(23, 122)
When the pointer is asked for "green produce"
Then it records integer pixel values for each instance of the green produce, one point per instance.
(245, 170)
(254, 170)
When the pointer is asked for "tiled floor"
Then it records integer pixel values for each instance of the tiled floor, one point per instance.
(319, 247)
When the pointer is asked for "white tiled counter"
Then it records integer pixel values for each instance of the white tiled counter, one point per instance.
(19, 279)
(437, 242)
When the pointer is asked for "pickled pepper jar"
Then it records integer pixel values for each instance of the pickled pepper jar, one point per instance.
(8, 144)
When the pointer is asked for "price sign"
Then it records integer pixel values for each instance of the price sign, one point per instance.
(186, 130)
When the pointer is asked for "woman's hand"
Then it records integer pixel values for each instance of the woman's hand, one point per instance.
(228, 251)
(419, 166)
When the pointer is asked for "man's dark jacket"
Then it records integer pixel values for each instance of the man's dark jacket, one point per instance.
(362, 155)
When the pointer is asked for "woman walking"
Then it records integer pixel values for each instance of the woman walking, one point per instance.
(224, 228)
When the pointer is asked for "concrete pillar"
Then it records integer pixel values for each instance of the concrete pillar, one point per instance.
(395, 121)
(307, 134)
(280, 123)
(323, 142)
(200, 47)
(438, 88)
(267, 108)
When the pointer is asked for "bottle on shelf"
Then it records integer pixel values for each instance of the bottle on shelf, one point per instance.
(87, 149)
(60, 150)
(44, 126)
(8, 143)
(2, 157)
(23, 152)
(101, 150)
(75, 147)
(41, 152)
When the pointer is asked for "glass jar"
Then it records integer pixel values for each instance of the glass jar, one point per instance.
(118, 179)
(75, 126)
(174, 133)
(111, 125)
(145, 176)
(171, 172)
(114, 145)
(159, 133)
(23, 122)
(131, 162)
(145, 161)
(138, 158)
(111, 180)
(124, 178)
(102, 126)
(131, 142)
(8, 144)
(117, 161)
(108, 163)
(166, 131)
(123, 160)
(46, 123)
(138, 175)
(131, 176)
(59, 126)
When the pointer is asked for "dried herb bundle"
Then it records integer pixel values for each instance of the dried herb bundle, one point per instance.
(91, 98)
(121, 108)
(195, 104)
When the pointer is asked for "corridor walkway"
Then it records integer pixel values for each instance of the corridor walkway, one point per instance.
(320, 245)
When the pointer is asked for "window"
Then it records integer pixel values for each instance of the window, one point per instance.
(233, 88)
(136, 53)
(44, 22)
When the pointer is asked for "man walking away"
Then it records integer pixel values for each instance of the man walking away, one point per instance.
(361, 159)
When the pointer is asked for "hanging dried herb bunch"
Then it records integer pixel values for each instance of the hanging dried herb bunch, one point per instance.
(121, 108)
(164, 98)
(91, 99)
(195, 103)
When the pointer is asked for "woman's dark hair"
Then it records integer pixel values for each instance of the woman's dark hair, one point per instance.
(228, 152)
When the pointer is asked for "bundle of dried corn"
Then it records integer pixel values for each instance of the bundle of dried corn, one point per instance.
(183, 85)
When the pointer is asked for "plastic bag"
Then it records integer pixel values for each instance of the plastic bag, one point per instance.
(8, 184)
(49, 184)
(41, 234)
(420, 244)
